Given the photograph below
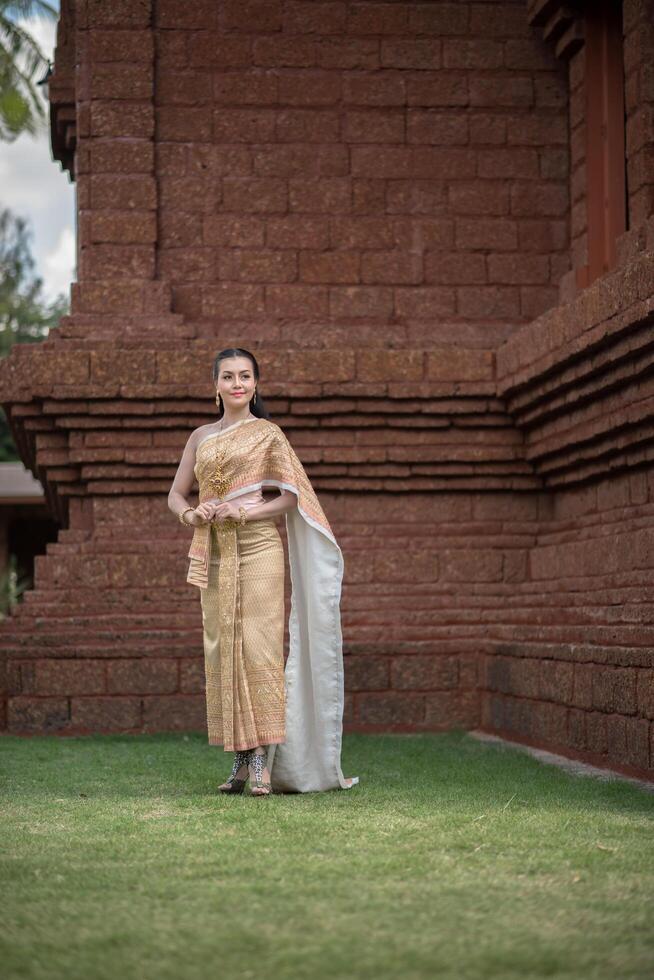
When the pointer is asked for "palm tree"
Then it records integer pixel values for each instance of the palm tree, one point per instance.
(21, 105)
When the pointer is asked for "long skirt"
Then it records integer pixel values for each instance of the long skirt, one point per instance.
(243, 623)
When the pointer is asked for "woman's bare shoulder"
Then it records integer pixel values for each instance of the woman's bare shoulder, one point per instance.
(197, 435)
(202, 430)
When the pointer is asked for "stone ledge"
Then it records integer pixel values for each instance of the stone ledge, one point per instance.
(607, 309)
(568, 763)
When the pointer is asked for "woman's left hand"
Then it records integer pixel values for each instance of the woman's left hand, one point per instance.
(225, 511)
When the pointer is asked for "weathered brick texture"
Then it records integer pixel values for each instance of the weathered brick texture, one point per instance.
(384, 200)
(408, 115)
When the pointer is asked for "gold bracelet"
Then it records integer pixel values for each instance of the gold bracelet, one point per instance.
(182, 519)
(243, 516)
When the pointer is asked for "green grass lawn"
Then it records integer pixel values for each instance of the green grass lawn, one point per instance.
(451, 858)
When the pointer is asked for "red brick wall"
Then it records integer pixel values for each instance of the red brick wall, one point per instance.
(579, 675)
(578, 207)
(423, 579)
(639, 107)
(377, 198)
(398, 166)
(529, 616)
(111, 640)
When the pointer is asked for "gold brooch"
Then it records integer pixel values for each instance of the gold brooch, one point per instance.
(218, 483)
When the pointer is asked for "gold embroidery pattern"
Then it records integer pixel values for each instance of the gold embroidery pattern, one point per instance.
(240, 571)
(243, 622)
(217, 483)
(249, 455)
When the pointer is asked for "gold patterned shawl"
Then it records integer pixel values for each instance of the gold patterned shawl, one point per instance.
(248, 456)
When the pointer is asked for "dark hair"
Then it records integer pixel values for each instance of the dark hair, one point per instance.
(257, 406)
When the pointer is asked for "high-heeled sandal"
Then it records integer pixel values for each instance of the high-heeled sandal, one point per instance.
(233, 784)
(257, 762)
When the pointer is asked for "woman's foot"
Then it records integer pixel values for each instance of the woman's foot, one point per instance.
(239, 774)
(259, 776)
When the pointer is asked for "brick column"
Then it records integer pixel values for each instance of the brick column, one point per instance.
(638, 18)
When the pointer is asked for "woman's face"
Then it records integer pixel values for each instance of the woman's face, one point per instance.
(236, 381)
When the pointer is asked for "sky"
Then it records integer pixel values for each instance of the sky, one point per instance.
(34, 186)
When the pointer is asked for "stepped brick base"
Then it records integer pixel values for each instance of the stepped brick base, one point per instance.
(388, 203)
(528, 616)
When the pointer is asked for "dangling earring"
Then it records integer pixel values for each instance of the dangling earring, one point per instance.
(254, 400)
(218, 400)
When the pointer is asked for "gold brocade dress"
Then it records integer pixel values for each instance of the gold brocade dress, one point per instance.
(243, 623)
(242, 620)
(253, 698)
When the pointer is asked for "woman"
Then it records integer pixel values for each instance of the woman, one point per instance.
(237, 561)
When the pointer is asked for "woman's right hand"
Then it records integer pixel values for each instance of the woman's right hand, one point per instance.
(202, 513)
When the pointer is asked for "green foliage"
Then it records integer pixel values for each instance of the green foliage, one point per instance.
(22, 107)
(25, 315)
(13, 583)
(8, 453)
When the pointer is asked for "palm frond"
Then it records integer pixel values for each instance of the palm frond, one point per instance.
(22, 107)
(20, 42)
(26, 9)
(15, 115)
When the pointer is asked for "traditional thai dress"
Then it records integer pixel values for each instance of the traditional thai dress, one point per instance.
(251, 698)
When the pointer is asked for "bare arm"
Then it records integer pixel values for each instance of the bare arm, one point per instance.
(183, 483)
(271, 508)
(278, 505)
